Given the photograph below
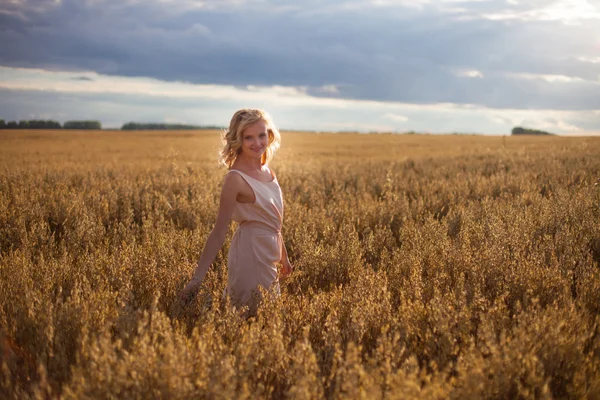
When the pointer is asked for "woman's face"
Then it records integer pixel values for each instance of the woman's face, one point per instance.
(255, 139)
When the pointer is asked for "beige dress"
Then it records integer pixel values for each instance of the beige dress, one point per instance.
(256, 245)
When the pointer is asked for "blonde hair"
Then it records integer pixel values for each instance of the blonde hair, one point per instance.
(232, 137)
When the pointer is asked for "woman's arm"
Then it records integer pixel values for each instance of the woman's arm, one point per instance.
(285, 262)
(216, 238)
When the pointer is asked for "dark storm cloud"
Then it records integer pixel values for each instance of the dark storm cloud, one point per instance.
(394, 53)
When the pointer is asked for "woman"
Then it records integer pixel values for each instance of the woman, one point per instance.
(252, 197)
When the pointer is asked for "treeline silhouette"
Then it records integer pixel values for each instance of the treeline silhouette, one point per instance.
(49, 124)
(525, 131)
(82, 125)
(91, 124)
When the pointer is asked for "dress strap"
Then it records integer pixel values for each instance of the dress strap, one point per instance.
(254, 179)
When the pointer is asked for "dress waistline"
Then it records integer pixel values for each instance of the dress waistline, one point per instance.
(260, 225)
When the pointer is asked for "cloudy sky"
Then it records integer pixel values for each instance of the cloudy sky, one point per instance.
(472, 66)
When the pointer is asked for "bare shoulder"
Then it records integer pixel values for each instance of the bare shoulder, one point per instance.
(232, 183)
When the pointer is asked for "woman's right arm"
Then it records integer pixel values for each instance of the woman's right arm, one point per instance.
(216, 238)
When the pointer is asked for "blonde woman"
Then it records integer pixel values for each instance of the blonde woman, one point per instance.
(251, 196)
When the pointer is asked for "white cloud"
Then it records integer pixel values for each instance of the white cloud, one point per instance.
(566, 11)
(19, 7)
(593, 60)
(468, 73)
(328, 89)
(501, 120)
(396, 117)
(551, 124)
(549, 78)
(286, 91)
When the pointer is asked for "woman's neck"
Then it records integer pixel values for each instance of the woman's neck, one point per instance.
(248, 163)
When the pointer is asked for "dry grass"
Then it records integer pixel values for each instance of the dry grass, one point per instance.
(427, 267)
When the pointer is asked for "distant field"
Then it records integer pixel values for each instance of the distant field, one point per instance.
(427, 267)
(89, 147)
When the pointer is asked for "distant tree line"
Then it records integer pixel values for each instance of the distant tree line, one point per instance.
(82, 125)
(525, 131)
(49, 124)
(91, 124)
(141, 126)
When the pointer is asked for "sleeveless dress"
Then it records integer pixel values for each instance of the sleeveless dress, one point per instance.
(256, 245)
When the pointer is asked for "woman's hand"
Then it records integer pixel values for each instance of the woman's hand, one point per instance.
(286, 268)
(190, 290)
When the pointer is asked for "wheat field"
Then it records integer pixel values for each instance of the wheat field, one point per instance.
(426, 267)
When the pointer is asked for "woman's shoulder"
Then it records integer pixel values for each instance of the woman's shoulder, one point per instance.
(233, 180)
(234, 175)
(233, 172)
